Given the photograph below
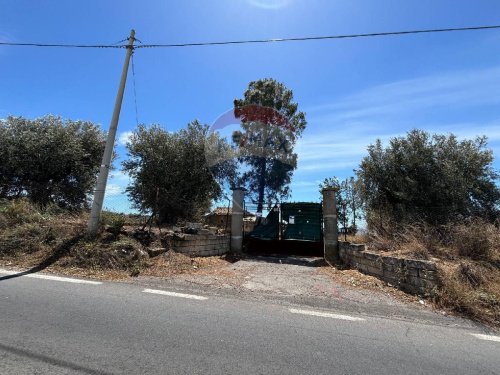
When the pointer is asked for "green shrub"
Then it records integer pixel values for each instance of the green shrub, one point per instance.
(20, 211)
(113, 222)
(24, 238)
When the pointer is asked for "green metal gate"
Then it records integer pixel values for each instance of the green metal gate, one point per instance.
(291, 221)
(301, 221)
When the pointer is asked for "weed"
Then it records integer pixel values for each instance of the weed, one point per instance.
(20, 211)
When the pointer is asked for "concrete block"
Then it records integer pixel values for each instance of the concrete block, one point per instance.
(420, 264)
(414, 272)
(374, 271)
(392, 261)
(371, 256)
(429, 275)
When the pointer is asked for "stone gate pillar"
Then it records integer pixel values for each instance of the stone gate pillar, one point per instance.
(237, 220)
(330, 231)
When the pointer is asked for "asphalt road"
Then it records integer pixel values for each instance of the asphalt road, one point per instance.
(59, 327)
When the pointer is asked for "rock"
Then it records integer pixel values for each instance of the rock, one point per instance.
(179, 236)
(153, 252)
(197, 226)
(140, 254)
(192, 228)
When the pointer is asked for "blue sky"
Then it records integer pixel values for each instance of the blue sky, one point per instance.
(352, 90)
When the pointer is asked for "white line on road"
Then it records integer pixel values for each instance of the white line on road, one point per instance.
(53, 278)
(486, 337)
(174, 294)
(326, 315)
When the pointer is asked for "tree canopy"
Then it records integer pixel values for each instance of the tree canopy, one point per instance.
(349, 203)
(49, 159)
(170, 174)
(270, 126)
(434, 178)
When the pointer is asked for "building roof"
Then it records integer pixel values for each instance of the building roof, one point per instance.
(224, 211)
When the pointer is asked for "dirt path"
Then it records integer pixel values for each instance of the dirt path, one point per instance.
(308, 282)
(299, 277)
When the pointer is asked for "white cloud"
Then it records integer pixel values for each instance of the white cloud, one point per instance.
(270, 4)
(448, 90)
(113, 190)
(124, 138)
(340, 132)
(119, 177)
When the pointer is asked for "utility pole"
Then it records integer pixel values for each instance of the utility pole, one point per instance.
(102, 179)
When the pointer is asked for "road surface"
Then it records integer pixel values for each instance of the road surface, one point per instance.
(62, 326)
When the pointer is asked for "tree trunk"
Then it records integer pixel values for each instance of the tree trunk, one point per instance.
(262, 186)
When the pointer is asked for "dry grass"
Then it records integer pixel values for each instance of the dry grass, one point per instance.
(120, 253)
(53, 239)
(173, 263)
(468, 259)
(355, 279)
(476, 239)
(360, 237)
(471, 289)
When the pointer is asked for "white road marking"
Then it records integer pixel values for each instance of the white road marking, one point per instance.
(53, 278)
(326, 315)
(486, 337)
(174, 294)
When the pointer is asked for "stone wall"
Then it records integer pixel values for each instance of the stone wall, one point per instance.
(201, 245)
(413, 276)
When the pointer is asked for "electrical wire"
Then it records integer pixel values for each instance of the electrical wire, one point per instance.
(347, 36)
(254, 41)
(63, 45)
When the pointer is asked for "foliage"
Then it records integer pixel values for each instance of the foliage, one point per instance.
(49, 160)
(434, 178)
(19, 211)
(170, 174)
(24, 227)
(122, 253)
(114, 222)
(349, 204)
(271, 125)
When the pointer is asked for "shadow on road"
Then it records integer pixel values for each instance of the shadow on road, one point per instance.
(58, 253)
(49, 360)
(294, 260)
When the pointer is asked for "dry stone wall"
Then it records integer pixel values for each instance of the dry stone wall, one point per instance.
(201, 245)
(413, 276)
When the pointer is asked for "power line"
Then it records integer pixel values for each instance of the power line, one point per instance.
(254, 41)
(347, 36)
(63, 45)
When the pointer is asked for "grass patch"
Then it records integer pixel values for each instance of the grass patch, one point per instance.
(471, 289)
(35, 238)
(468, 258)
(102, 254)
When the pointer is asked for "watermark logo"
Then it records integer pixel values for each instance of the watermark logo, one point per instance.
(251, 133)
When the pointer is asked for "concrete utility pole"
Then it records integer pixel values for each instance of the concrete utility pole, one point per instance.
(102, 179)
(330, 233)
(237, 220)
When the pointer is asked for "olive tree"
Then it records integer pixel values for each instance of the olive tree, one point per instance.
(429, 177)
(49, 159)
(170, 174)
